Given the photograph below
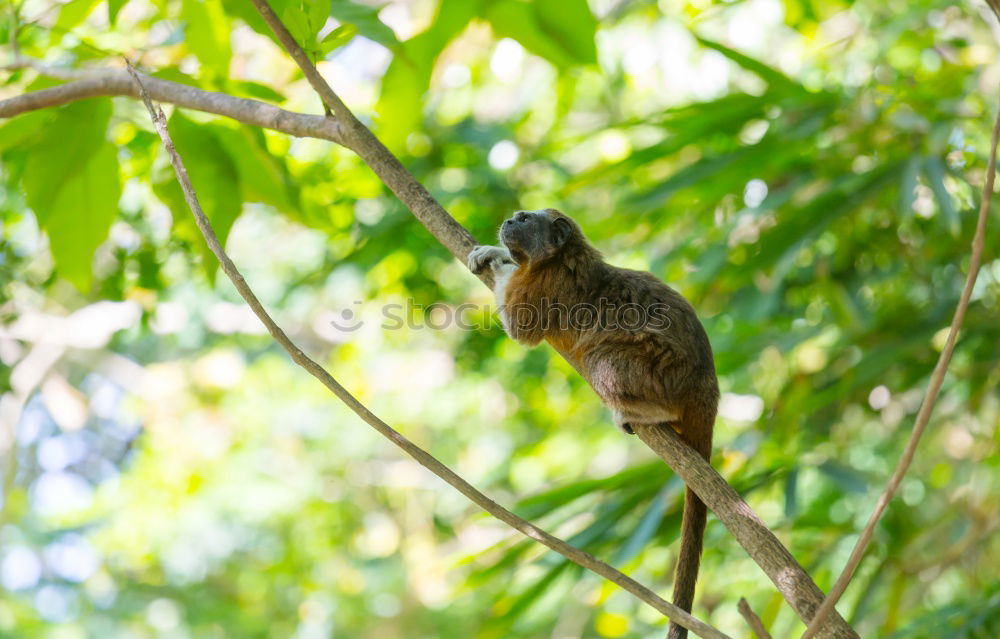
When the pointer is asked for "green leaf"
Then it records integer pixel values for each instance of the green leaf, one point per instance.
(73, 136)
(298, 25)
(400, 103)
(262, 176)
(802, 225)
(338, 38)
(792, 493)
(246, 12)
(934, 171)
(176, 75)
(215, 178)
(847, 479)
(82, 214)
(207, 35)
(316, 12)
(650, 521)
(304, 20)
(908, 186)
(71, 182)
(256, 90)
(523, 601)
(773, 77)
(73, 13)
(571, 24)
(18, 131)
(519, 21)
(366, 19)
(114, 6)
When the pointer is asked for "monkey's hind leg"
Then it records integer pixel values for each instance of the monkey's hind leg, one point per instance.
(626, 420)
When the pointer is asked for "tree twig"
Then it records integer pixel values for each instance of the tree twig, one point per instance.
(924, 415)
(577, 556)
(112, 82)
(385, 165)
(756, 625)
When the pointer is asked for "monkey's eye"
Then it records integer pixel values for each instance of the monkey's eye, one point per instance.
(522, 216)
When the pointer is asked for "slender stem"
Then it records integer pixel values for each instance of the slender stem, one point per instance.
(755, 623)
(924, 415)
(577, 556)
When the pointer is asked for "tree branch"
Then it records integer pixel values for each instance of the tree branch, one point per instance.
(924, 415)
(756, 625)
(577, 556)
(112, 82)
(756, 538)
(763, 547)
(370, 149)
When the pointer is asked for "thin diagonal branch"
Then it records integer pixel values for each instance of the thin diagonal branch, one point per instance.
(756, 625)
(577, 556)
(924, 415)
(112, 82)
(371, 150)
(760, 543)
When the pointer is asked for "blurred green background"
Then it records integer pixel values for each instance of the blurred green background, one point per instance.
(806, 172)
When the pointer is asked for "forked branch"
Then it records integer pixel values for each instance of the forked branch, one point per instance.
(114, 82)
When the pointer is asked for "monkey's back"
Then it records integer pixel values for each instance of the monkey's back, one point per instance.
(654, 363)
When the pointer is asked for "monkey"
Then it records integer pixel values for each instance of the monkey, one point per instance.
(658, 371)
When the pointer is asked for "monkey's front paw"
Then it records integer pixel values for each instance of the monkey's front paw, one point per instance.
(483, 257)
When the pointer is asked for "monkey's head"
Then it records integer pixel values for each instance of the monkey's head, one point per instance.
(534, 237)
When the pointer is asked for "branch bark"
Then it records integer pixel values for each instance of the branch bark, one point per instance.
(756, 538)
(924, 415)
(763, 547)
(577, 556)
(112, 82)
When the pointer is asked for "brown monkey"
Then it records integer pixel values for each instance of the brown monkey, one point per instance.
(636, 341)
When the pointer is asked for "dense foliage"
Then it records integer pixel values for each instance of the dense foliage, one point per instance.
(805, 171)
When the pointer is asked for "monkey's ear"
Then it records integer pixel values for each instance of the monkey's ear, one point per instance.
(561, 231)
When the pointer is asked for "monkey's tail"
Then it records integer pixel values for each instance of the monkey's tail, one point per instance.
(699, 436)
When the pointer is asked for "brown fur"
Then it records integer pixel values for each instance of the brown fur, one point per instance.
(640, 372)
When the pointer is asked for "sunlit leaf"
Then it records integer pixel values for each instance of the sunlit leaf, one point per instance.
(365, 18)
(72, 184)
(400, 103)
(73, 13)
(207, 34)
(338, 37)
(773, 77)
(262, 176)
(114, 6)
